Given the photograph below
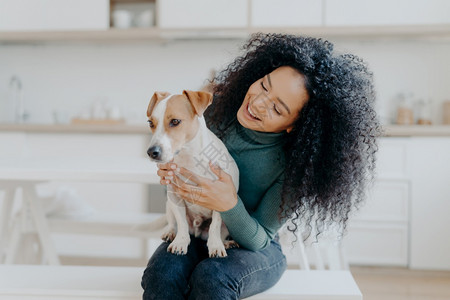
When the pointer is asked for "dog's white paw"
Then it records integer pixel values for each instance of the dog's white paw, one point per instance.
(179, 245)
(216, 249)
(168, 236)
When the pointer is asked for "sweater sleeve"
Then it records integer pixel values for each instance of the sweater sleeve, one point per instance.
(255, 231)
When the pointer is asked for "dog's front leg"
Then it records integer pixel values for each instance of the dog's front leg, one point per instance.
(182, 239)
(216, 247)
(170, 230)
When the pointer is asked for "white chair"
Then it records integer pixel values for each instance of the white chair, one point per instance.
(20, 243)
(319, 252)
(317, 268)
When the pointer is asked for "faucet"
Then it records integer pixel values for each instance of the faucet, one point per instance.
(16, 94)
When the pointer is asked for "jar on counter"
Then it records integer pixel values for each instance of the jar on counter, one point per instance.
(446, 112)
(424, 112)
(405, 115)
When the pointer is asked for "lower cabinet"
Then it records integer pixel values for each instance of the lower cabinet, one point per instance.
(376, 243)
(378, 233)
(430, 203)
(404, 221)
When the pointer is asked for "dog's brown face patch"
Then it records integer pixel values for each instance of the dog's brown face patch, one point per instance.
(179, 121)
(173, 123)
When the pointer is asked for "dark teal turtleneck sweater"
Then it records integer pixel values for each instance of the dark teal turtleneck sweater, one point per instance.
(253, 221)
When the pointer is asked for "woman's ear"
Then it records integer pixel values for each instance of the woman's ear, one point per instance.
(288, 130)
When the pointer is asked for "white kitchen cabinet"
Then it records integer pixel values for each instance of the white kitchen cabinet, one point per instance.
(12, 144)
(388, 201)
(286, 13)
(114, 146)
(377, 243)
(202, 14)
(430, 203)
(378, 233)
(392, 158)
(42, 15)
(405, 221)
(386, 12)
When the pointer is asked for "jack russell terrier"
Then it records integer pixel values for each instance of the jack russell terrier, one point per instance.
(180, 135)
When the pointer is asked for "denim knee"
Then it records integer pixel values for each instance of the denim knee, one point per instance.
(210, 281)
(165, 278)
(168, 283)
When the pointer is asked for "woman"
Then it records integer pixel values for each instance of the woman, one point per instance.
(299, 121)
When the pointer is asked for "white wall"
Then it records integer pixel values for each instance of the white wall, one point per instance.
(407, 66)
(72, 76)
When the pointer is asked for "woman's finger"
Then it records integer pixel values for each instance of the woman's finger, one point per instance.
(219, 172)
(165, 174)
(190, 176)
(167, 166)
(164, 182)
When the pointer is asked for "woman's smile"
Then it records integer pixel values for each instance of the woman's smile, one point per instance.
(250, 114)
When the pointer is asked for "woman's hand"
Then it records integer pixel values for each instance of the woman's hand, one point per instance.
(219, 194)
(166, 172)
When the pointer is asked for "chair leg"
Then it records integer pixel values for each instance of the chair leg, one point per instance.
(318, 256)
(302, 258)
(37, 213)
(343, 259)
(13, 246)
(5, 226)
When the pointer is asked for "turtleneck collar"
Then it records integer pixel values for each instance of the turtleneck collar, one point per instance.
(260, 137)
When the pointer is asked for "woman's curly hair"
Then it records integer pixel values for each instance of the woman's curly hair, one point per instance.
(330, 153)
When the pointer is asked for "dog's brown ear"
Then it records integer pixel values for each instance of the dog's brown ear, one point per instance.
(199, 100)
(157, 96)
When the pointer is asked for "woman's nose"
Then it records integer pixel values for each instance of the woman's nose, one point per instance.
(261, 104)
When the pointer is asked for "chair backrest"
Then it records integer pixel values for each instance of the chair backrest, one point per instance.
(323, 252)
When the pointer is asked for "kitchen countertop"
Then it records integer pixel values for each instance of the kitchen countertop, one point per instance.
(77, 128)
(389, 130)
(416, 130)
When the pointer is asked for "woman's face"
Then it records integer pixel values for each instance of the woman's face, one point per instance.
(272, 103)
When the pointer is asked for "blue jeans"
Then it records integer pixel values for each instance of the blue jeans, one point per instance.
(241, 274)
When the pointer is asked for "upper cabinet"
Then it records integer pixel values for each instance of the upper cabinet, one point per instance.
(202, 13)
(386, 12)
(101, 20)
(54, 15)
(285, 13)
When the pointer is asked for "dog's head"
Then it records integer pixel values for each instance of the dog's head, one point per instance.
(173, 120)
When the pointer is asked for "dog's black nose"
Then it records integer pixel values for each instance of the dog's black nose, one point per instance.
(154, 152)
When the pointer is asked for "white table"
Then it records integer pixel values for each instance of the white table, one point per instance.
(26, 172)
(123, 283)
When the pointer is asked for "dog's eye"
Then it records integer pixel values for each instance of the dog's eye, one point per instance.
(150, 123)
(174, 122)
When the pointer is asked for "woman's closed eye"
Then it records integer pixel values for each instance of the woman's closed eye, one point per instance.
(275, 108)
(264, 87)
